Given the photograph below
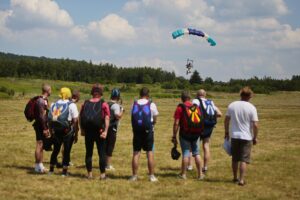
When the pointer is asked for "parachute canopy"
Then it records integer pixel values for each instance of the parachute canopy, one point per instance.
(190, 31)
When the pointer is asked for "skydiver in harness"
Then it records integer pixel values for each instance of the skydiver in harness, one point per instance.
(189, 66)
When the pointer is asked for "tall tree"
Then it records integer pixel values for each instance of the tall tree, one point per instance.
(196, 78)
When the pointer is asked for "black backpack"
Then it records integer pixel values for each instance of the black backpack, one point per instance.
(112, 120)
(91, 115)
(30, 109)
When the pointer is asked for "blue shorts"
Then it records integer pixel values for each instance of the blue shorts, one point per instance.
(206, 133)
(189, 144)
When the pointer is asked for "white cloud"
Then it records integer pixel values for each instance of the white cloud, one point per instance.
(79, 32)
(4, 31)
(132, 6)
(113, 27)
(27, 14)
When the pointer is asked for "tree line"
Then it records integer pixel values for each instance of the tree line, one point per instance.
(12, 65)
(19, 66)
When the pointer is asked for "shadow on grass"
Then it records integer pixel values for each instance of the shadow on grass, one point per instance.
(169, 168)
(216, 180)
(30, 170)
(112, 176)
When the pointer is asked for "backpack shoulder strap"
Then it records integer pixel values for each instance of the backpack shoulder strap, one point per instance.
(110, 104)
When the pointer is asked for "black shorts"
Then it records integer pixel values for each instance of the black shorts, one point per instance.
(111, 141)
(241, 150)
(38, 132)
(143, 140)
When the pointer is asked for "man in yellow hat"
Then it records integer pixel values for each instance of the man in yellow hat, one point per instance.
(63, 121)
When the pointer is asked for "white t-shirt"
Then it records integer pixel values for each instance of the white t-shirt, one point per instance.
(153, 108)
(242, 114)
(73, 111)
(197, 102)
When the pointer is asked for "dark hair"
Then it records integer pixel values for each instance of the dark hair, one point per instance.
(144, 92)
(97, 89)
(75, 94)
(185, 95)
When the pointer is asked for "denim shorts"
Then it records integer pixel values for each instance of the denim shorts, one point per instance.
(189, 144)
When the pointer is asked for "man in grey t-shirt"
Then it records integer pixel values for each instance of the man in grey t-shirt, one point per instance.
(116, 112)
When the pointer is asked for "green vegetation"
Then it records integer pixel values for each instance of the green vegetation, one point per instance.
(12, 65)
(273, 174)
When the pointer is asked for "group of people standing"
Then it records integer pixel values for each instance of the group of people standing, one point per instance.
(193, 119)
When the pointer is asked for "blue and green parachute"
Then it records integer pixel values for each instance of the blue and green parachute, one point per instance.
(190, 31)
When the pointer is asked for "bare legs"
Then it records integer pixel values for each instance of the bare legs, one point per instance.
(135, 162)
(39, 152)
(242, 169)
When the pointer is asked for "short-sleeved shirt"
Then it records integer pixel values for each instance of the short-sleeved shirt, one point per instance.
(115, 110)
(73, 111)
(197, 102)
(105, 107)
(153, 107)
(242, 115)
(179, 113)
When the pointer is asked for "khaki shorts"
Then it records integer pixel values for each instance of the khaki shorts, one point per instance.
(241, 150)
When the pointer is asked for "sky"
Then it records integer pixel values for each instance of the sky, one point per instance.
(254, 38)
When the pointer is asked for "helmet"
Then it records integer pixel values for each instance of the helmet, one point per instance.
(175, 154)
(115, 93)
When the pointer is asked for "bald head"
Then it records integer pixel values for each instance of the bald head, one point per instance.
(46, 89)
(201, 93)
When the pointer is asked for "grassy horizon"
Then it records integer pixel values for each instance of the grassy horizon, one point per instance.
(273, 174)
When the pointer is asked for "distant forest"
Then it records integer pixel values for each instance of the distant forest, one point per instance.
(20, 66)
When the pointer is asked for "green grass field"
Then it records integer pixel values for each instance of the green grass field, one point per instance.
(273, 174)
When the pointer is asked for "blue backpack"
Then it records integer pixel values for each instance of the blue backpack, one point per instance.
(210, 115)
(141, 117)
(58, 117)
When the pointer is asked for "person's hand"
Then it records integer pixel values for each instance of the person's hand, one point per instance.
(46, 133)
(226, 136)
(254, 141)
(103, 134)
(75, 138)
(82, 132)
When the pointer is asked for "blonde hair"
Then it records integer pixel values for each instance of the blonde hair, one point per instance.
(246, 92)
(201, 93)
(65, 93)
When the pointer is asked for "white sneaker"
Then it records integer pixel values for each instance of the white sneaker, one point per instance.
(182, 176)
(152, 178)
(201, 178)
(110, 168)
(133, 178)
(41, 170)
(190, 168)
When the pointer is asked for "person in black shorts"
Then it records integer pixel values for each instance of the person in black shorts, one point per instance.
(116, 113)
(41, 127)
(144, 116)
